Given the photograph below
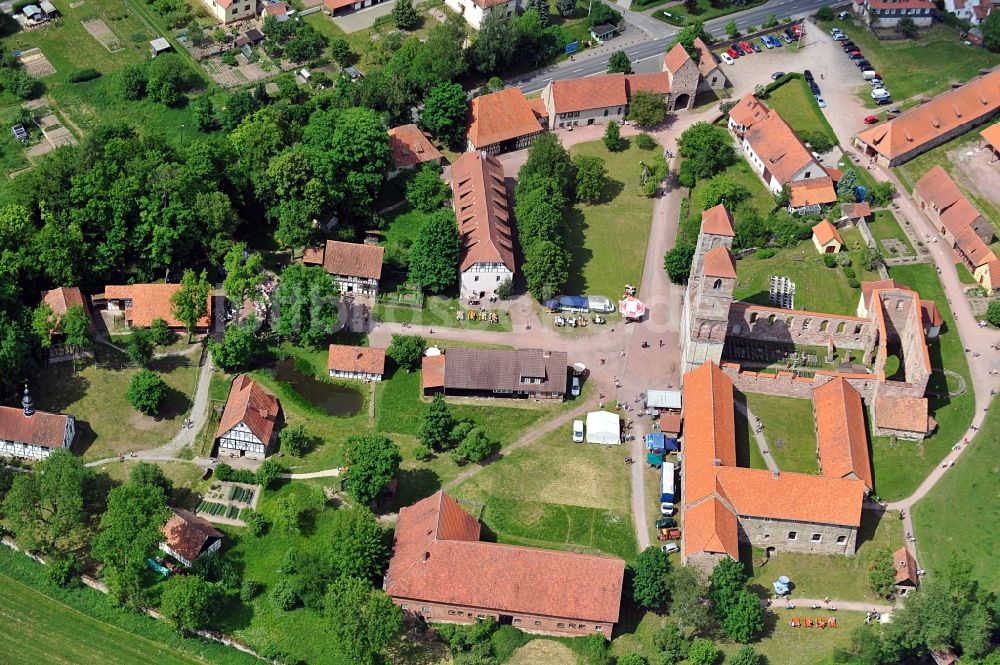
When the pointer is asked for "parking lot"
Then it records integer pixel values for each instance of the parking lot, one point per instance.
(837, 76)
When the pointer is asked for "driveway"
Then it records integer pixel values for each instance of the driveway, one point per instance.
(363, 19)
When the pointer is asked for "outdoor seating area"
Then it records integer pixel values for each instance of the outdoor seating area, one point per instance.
(818, 622)
(481, 314)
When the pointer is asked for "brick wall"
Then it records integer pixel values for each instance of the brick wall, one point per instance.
(529, 623)
(789, 384)
(797, 327)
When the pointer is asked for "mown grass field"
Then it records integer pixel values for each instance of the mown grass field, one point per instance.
(557, 494)
(788, 422)
(818, 288)
(106, 423)
(922, 66)
(797, 106)
(608, 240)
(885, 227)
(956, 516)
(900, 467)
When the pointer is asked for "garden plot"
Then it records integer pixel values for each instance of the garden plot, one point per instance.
(224, 503)
(35, 63)
(100, 31)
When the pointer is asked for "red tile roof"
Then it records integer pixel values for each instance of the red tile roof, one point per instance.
(707, 60)
(906, 567)
(150, 302)
(825, 231)
(437, 557)
(908, 414)
(801, 497)
(432, 372)
(670, 422)
(537, 105)
(717, 221)
(355, 359)
(353, 259)
(500, 116)
(856, 210)
(841, 436)
(814, 191)
(709, 429)
(589, 92)
(277, 9)
(979, 98)
(410, 146)
(710, 526)
(313, 256)
(748, 111)
(992, 135)
(929, 313)
(676, 58)
(719, 262)
(867, 288)
(938, 189)
(63, 298)
(655, 82)
(187, 534)
(977, 251)
(480, 199)
(249, 403)
(779, 148)
(41, 429)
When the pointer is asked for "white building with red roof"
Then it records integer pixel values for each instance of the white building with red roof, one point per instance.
(356, 267)
(480, 197)
(888, 13)
(474, 11)
(31, 434)
(503, 121)
(441, 572)
(410, 147)
(231, 11)
(246, 428)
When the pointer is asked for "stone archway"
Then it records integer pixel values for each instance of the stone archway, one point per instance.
(682, 101)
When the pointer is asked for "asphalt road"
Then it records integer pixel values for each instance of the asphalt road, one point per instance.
(646, 55)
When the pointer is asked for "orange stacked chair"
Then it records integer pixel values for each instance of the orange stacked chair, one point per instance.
(809, 622)
(832, 621)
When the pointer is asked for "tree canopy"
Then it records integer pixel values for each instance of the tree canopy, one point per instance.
(444, 114)
(591, 177)
(407, 350)
(362, 620)
(646, 109)
(651, 581)
(305, 304)
(186, 602)
(707, 148)
(619, 63)
(437, 424)
(189, 304)
(434, 255)
(146, 392)
(373, 461)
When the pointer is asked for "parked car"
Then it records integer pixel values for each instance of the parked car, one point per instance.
(849, 46)
(577, 431)
(776, 75)
(666, 523)
(821, 102)
(785, 37)
(746, 47)
(670, 548)
(876, 83)
(840, 37)
(863, 65)
(753, 45)
(807, 75)
(667, 509)
(871, 119)
(766, 42)
(668, 534)
(843, 16)
(880, 93)
(869, 74)
(575, 387)
(733, 53)
(726, 58)
(855, 55)
(834, 31)
(744, 50)
(882, 101)
(775, 41)
(813, 88)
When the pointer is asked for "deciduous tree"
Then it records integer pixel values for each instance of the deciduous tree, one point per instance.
(404, 15)
(688, 595)
(474, 447)
(426, 191)
(744, 620)
(613, 140)
(444, 114)
(146, 392)
(646, 109)
(294, 440)
(189, 304)
(240, 346)
(160, 333)
(305, 304)
(373, 461)
(702, 652)
(993, 313)
(168, 79)
(546, 269)
(907, 27)
(677, 262)
(357, 544)
(407, 350)
(724, 189)
(362, 620)
(651, 582)
(619, 63)
(991, 31)
(708, 149)
(243, 273)
(44, 323)
(145, 473)
(186, 602)
(882, 573)
(547, 158)
(434, 255)
(591, 177)
(130, 82)
(437, 424)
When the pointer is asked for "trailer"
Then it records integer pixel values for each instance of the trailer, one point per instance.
(668, 480)
(576, 304)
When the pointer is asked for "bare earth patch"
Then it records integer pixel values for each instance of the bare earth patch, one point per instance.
(141, 422)
(100, 31)
(543, 651)
(35, 63)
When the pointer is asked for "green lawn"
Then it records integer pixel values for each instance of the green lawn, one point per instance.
(924, 66)
(835, 575)
(106, 423)
(818, 288)
(608, 240)
(557, 494)
(747, 452)
(945, 156)
(797, 106)
(956, 517)
(901, 466)
(885, 227)
(703, 12)
(964, 276)
(760, 198)
(12, 157)
(790, 422)
(49, 625)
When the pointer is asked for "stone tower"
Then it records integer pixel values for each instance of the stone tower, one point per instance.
(709, 291)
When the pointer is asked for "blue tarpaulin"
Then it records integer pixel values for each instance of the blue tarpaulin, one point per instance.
(654, 459)
(670, 444)
(655, 441)
(577, 302)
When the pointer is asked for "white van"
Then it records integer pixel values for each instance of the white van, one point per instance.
(577, 431)
(880, 93)
(869, 74)
(726, 58)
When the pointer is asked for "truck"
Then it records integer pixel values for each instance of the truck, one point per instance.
(667, 483)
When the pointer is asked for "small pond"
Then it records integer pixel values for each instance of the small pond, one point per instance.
(335, 400)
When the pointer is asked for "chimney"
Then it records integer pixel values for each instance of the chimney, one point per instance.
(27, 403)
(427, 555)
(775, 474)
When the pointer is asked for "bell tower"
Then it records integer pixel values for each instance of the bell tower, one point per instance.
(709, 291)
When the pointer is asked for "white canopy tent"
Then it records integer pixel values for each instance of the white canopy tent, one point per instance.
(604, 428)
(663, 399)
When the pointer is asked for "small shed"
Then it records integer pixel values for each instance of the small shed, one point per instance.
(353, 72)
(158, 46)
(48, 9)
(604, 428)
(603, 32)
(254, 36)
(33, 12)
(826, 238)
(664, 399)
(670, 423)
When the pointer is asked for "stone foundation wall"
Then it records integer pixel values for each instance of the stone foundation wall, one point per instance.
(796, 327)
(529, 623)
(775, 533)
(790, 384)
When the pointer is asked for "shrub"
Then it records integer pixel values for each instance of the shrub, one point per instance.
(81, 75)
(146, 392)
(849, 272)
(853, 283)
(829, 261)
(229, 58)
(61, 569)
(256, 523)
(993, 313)
(250, 590)
(285, 595)
(817, 140)
(645, 142)
(844, 260)
(160, 333)
(824, 14)
(765, 253)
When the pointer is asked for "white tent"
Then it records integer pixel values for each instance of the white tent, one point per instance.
(603, 427)
(664, 399)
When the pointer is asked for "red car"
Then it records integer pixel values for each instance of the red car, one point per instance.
(746, 48)
(733, 53)
(871, 119)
